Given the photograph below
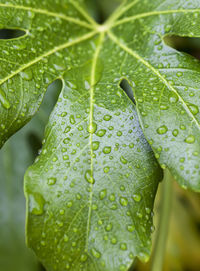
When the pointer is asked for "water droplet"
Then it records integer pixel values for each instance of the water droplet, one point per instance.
(109, 227)
(119, 133)
(112, 197)
(162, 130)
(179, 74)
(101, 132)
(173, 99)
(83, 258)
(19, 46)
(107, 117)
(92, 128)
(62, 212)
(66, 238)
(67, 129)
(89, 177)
(43, 243)
(102, 194)
(72, 119)
(194, 109)
(123, 246)
(114, 240)
(107, 150)
(123, 201)
(51, 181)
(36, 204)
(95, 145)
(96, 253)
(175, 132)
(190, 139)
(137, 197)
(123, 160)
(130, 228)
(163, 107)
(4, 100)
(106, 169)
(27, 75)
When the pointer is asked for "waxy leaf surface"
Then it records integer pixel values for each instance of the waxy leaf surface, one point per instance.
(91, 191)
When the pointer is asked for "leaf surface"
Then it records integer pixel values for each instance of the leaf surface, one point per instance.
(91, 191)
(166, 82)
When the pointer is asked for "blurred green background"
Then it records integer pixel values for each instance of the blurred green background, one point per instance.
(183, 246)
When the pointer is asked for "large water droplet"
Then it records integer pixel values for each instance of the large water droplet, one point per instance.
(51, 181)
(162, 130)
(96, 253)
(27, 75)
(92, 128)
(36, 204)
(123, 160)
(101, 132)
(107, 149)
(194, 109)
(102, 194)
(123, 201)
(89, 177)
(95, 145)
(190, 139)
(137, 197)
(4, 100)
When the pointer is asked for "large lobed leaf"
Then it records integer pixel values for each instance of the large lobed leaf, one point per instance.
(90, 192)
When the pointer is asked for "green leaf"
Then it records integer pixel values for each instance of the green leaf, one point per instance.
(91, 191)
(166, 82)
(94, 147)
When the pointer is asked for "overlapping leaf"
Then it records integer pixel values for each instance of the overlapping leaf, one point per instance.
(90, 192)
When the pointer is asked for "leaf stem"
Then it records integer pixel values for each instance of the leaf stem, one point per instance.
(163, 225)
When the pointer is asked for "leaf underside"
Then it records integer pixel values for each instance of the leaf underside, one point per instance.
(90, 192)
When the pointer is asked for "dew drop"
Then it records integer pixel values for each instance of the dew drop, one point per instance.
(123, 201)
(175, 132)
(137, 197)
(89, 177)
(102, 194)
(173, 99)
(66, 238)
(96, 253)
(107, 150)
(51, 181)
(194, 109)
(101, 132)
(83, 257)
(114, 240)
(162, 130)
(36, 204)
(95, 145)
(123, 160)
(179, 74)
(107, 117)
(72, 119)
(27, 75)
(190, 139)
(123, 246)
(4, 100)
(109, 227)
(130, 228)
(92, 128)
